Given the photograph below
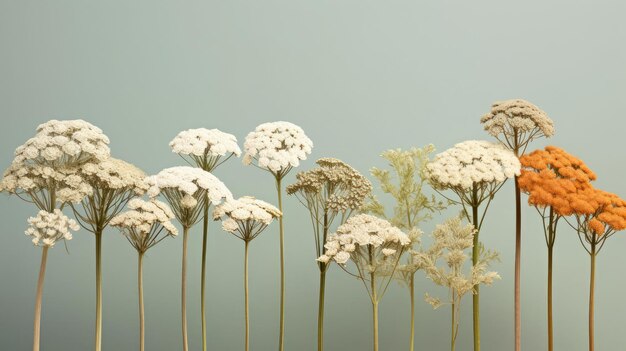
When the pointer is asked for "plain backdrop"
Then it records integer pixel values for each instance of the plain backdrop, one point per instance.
(360, 77)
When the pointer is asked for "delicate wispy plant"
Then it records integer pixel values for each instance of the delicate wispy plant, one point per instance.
(516, 123)
(474, 171)
(246, 218)
(334, 189)
(144, 225)
(374, 246)
(43, 173)
(113, 182)
(451, 241)
(277, 147)
(548, 177)
(598, 215)
(186, 189)
(205, 149)
(406, 183)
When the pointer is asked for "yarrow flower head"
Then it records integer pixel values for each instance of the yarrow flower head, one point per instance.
(599, 213)
(277, 147)
(47, 228)
(114, 174)
(144, 223)
(205, 147)
(359, 233)
(517, 119)
(472, 162)
(338, 186)
(245, 217)
(68, 142)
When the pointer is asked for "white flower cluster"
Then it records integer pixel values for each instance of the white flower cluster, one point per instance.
(203, 142)
(473, 161)
(358, 233)
(64, 142)
(517, 114)
(277, 146)
(114, 174)
(187, 181)
(143, 216)
(49, 227)
(245, 210)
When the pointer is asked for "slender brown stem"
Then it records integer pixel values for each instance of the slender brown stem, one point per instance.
(281, 337)
(38, 299)
(98, 338)
(412, 293)
(141, 309)
(184, 290)
(374, 309)
(518, 256)
(592, 288)
(550, 322)
(245, 285)
(475, 257)
(320, 312)
(205, 231)
(453, 326)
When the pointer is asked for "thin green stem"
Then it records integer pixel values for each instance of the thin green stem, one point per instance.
(475, 258)
(281, 337)
(550, 321)
(38, 299)
(453, 326)
(592, 288)
(245, 285)
(142, 334)
(184, 290)
(412, 293)
(374, 309)
(205, 231)
(320, 313)
(98, 337)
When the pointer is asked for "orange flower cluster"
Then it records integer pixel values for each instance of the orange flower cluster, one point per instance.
(551, 176)
(602, 211)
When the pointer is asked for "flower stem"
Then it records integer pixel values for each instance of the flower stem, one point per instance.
(98, 338)
(184, 289)
(245, 288)
(320, 313)
(141, 309)
(374, 309)
(205, 231)
(550, 325)
(281, 337)
(518, 256)
(412, 293)
(453, 327)
(38, 299)
(592, 283)
(475, 257)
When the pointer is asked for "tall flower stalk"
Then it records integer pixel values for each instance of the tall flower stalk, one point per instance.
(334, 190)
(548, 177)
(114, 183)
(516, 123)
(406, 183)
(474, 171)
(246, 218)
(277, 147)
(375, 247)
(205, 149)
(186, 189)
(451, 241)
(598, 215)
(43, 173)
(144, 225)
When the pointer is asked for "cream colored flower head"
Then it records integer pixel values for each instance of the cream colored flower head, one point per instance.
(205, 142)
(114, 174)
(359, 233)
(349, 187)
(473, 161)
(67, 142)
(143, 217)
(277, 146)
(185, 182)
(47, 228)
(519, 115)
(245, 216)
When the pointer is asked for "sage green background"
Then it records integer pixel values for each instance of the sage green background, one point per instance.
(359, 77)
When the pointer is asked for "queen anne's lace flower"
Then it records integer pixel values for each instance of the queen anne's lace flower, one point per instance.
(472, 162)
(245, 217)
(114, 174)
(202, 142)
(277, 146)
(517, 116)
(188, 181)
(65, 142)
(49, 227)
(353, 238)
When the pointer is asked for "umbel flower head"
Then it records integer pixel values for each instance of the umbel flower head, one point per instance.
(470, 163)
(599, 213)
(47, 228)
(114, 174)
(245, 217)
(516, 122)
(339, 187)
(146, 223)
(184, 187)
(206, 148)
(277, 147)
(549, 175)
(68, 142)
(361, 233)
